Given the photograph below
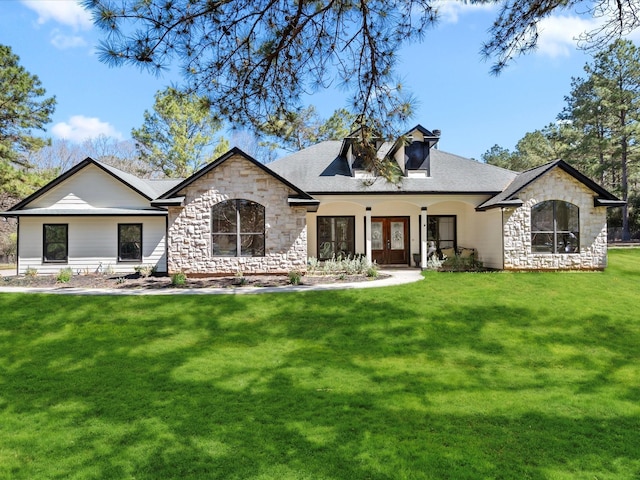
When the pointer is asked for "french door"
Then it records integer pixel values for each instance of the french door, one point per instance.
(390, 240)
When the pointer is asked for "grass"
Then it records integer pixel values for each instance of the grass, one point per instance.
(462, 376)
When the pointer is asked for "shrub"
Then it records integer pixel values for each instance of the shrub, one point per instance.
(461, 264)
(356, 265)
(295, 276)
(178, 279)
(64, 275)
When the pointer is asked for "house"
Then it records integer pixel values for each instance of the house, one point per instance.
(236, 214)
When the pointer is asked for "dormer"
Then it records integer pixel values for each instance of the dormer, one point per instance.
(412, 151)
(349, 151)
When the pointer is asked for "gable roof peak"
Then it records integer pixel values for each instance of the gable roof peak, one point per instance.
(428, 134)
(235, 151)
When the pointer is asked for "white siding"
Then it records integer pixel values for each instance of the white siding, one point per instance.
(93, 244)
(92, 187)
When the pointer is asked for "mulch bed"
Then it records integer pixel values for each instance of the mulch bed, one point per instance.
(136, 281)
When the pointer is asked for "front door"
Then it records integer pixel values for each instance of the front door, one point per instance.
(390, 240)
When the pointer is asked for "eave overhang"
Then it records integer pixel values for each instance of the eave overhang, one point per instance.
(609, 203)
(168, 202)
(85, 212)
(311, 204)
(511, 203)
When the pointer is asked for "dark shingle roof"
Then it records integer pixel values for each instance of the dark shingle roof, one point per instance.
(508, 197)
(321, 169)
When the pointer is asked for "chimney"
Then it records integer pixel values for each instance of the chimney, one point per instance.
(436, 133)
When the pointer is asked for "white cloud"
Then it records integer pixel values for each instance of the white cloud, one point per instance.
(558, 35)
(80, 128)
(61, 40)
(65, 12)
(450, 11)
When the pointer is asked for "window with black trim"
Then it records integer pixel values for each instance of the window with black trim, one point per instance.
(555, 227)
(129, 242)
(441, 229)
(336, 237)
(238, 229)
(55, 244)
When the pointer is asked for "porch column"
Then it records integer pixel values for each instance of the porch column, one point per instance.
(367, 241)
(423, 238)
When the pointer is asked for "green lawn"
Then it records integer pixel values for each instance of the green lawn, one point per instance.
(461, 376)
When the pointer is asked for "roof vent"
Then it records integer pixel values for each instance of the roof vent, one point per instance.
(437, 133)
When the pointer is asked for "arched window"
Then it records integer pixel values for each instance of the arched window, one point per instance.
(237, 229)
(555, 227)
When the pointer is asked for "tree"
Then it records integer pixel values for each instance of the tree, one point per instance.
(340, 124)
(499, 157)
(534, 149)
(302, 128)
(256, 58)
(61, 155)
(22, 109)
(177, 138)
(515, 31)
(605, 109)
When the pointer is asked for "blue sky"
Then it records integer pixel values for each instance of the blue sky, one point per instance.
(55, 40)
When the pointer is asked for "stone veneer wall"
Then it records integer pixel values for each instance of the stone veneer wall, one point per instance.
(556, 185)
(189, 238)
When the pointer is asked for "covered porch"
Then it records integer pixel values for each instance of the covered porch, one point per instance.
(392, 231)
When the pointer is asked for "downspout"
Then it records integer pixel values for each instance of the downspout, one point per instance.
(423, 238)
(166, 242)
(367, 237)
(502, 235)
(17, 245)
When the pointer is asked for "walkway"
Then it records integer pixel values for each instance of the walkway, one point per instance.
(396, 277)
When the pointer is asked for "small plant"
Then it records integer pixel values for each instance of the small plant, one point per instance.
(109, 270)
(144, 270)
(434, 263)
(313, 264)
(178, 279)
(31, 272)
(295, 276)
(64, 275)
(120, 280)
(372, 271)
(240, 279)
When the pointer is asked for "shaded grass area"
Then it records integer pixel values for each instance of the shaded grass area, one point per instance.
(461, 376)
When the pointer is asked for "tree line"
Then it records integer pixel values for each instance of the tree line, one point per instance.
(598, 131)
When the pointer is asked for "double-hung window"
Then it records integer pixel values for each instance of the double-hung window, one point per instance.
(55, 243)
(238, 229)
(555, 227)
(129, 242)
